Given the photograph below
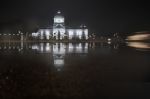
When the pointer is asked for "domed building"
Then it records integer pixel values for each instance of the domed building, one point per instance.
(59, 31)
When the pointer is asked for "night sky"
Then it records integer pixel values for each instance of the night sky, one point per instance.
(101, 16)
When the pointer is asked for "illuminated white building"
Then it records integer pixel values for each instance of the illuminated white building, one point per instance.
(59, 30)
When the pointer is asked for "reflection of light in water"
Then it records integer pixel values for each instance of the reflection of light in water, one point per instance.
(86, 45)
(116, 46)
(84, 48)
(19, 50)
(35, 47)
(139, 45)
(139, 37)
(47, 47)
(58, 62)
(109, 42)
(79, 48)
(91, 45)
(41, 47)
(70, 48)
(21, 45)
(59, 48)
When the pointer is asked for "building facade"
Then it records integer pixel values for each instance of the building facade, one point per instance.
(59, 31)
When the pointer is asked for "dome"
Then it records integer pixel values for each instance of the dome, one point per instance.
(58, 15)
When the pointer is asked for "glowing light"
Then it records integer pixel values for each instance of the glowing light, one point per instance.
(79, 32)
(58, 12)
(109, 39)
(139, 45)
(139, 37)
(71, 33)
(59, 20)
(35, 34)
(47, 34)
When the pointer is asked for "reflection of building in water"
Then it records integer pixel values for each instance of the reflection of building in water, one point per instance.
(60, 50)
(11, 46)
(42, 47)
(60, 31)
(116, 46)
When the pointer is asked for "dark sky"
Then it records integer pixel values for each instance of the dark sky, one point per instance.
(100, 16)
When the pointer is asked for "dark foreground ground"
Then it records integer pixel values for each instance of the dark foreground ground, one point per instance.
(99, 70)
